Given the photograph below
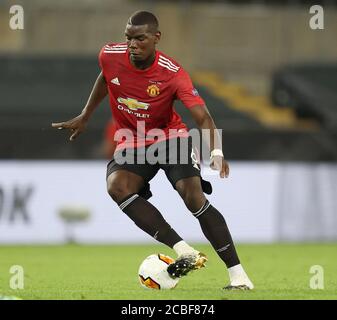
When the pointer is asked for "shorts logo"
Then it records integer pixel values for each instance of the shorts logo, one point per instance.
(195, 161)
(133, 104)
(153, 90)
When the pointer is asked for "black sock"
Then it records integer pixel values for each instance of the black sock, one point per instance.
(149, 219)
(216, 231)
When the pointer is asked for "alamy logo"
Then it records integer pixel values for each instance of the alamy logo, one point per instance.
(16, 281)
(16, 21)
(317, 20)
(165, 147)
(317, 280)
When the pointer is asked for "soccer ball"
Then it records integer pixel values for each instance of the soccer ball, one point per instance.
(153, 273)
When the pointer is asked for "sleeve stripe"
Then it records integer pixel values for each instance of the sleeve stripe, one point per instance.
(166, 66)
(114, 51)
(172, 65)
(116, 46)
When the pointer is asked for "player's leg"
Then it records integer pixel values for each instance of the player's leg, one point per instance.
(214, 228)
(186, 179)
(123, 187)
(130, 191)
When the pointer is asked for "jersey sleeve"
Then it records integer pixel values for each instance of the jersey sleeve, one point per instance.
(102, 58)
(186, 92)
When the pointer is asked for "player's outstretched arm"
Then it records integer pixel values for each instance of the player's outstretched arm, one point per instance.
(78, 124)
(204, 120)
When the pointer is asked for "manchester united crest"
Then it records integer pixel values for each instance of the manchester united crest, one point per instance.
(153, 90)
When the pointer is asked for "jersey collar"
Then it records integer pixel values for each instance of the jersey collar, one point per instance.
(133, 68)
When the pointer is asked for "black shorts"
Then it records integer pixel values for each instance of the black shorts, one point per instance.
(176, 157)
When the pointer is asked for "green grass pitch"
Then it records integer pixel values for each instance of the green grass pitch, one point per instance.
(279, 271)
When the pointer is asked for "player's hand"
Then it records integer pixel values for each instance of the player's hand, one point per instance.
(76, 126)
(220, 164)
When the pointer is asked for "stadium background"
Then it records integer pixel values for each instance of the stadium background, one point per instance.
(269, 80)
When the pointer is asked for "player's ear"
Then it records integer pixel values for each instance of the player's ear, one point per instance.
(157, 37)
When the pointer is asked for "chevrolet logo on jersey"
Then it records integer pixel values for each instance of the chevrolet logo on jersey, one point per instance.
(133, 104)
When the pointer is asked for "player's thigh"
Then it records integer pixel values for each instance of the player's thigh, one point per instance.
(181, 162)
(122, 182)
(125, 179)
(186, 179)
(185, 175)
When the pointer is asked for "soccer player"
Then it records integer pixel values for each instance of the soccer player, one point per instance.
(142, 84)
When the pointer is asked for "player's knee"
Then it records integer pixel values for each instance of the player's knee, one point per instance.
(193, 200)
(192, 195)
(118, 191)
(194, 206)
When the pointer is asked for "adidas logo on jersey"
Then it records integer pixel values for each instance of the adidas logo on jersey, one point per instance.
(115, 81)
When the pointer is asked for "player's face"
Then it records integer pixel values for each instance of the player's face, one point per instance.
(141, 42)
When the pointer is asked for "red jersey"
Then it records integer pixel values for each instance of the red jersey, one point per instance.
(146, 97)
(110, 130)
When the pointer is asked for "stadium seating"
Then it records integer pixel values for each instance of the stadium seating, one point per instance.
(311, 90)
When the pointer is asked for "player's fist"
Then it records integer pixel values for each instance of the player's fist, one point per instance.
(76, 126)
(220, 164)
